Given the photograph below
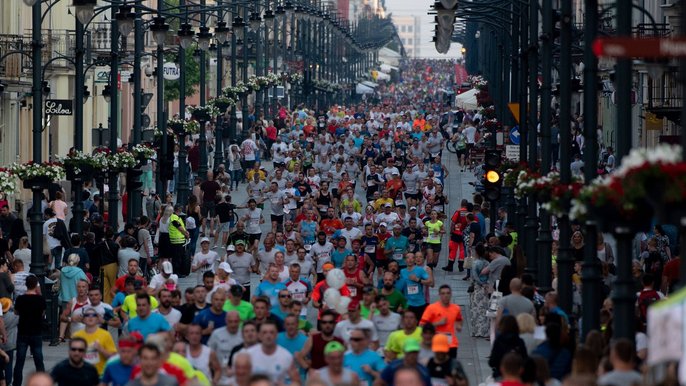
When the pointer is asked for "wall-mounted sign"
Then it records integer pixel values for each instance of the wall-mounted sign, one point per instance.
(59, 107)
(171, 71)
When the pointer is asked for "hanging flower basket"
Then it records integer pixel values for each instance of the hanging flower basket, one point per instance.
(221, 103)
(38, 175)
(235, 92)
(8, 183)
(143, 152)
(648, 182)
(180, 127)
(203, 113)
(82, 166)
(120, 161)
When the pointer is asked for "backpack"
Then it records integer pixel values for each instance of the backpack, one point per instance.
(645, 299)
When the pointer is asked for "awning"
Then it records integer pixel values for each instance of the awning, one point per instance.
(382, 76)
(467, 100)
(363, 89)
(387, 68)
(369, 84)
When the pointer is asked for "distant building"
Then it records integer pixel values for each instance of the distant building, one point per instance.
(409, 33)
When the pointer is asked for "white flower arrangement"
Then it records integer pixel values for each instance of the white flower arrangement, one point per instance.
(80, 160)
(207, 111)
(295, 78)
(233, 92)
(178, 125)
(120, 160)
(30, 170)
(637, 157)
(8, 183)
(143, 151)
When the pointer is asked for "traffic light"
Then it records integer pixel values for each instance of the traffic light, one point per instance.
(492, 180)
(133, 179)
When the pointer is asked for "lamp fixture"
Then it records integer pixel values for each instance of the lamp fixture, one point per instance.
(268, 15)
(85, 9)
(159, 30)
(221, 32)
(255, 21)
(86, 94)
(30, 3)
(185, 35)
(125, 18)
(204, 37)
(107, 93)
(238, 27)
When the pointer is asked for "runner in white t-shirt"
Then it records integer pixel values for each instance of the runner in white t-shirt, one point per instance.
(269, 358)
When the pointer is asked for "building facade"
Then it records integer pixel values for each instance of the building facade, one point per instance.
(408, 28)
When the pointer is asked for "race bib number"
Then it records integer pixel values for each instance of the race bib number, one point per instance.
(324, 256)
(439, 382)
(398, 256)
(370, 249)
(412, 289)
(353, 292)
(299, 296)
(92, 356)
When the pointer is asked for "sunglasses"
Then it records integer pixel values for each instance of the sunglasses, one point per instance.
(284, 296)
(77, 349)
(326, 322)
(356, 339)
(90, 315)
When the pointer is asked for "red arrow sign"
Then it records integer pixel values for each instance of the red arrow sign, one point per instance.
(627, 47)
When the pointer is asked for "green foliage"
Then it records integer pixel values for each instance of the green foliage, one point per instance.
(192, 73)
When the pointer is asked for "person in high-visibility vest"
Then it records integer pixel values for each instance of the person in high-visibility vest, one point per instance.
(177, 236)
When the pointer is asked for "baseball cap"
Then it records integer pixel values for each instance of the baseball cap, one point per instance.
(397, 226)
(240, 242)
(388, 205)
(327, 266)
(383, 224)
(334, 346)
(167, 267)
(226, 267)
(204, 240)
(413, 208)
(439, 343)
(411, 345)
(231, 248)
(354, 305)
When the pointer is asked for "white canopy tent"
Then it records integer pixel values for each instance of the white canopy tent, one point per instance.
(382, 76)
(363, 89)
(386, 68)
(467, 100)
(390, 57)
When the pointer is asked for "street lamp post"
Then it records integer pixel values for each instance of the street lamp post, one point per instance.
(185, 34)
(565, 261)
(544, 236)
(203, 41)
(135, 200)
(78, 120)
(113, 198)
(221, 32)
(531, 225)
(36, 217)
(591, 268)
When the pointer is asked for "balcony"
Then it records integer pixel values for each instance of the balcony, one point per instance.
(659, 30)
(14, 65)
(664, 97)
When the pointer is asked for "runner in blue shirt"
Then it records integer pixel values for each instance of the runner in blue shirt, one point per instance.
(366, 363)
(415, 278)
(396, 246)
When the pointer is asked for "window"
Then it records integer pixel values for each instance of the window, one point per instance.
(409, 42)
(409, 28)
(402, 28)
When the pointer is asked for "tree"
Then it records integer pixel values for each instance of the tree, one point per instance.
(192, 70)
(192, 73)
